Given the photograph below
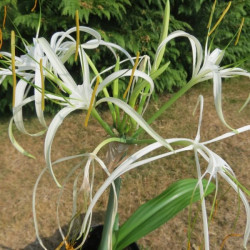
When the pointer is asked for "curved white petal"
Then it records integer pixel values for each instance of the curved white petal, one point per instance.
(218, 97)
(15, 143)
(229, 134)
(34, 208)
(57, 65)
(113, 45)
(201, 101)
(244, 201)
(18, 118)
(232, 72)
(17, 110)
(195, 44)
(88, 45)
(125, 72)
(38, 83)
(56, 122)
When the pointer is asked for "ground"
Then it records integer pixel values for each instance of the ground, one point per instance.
(18, 175)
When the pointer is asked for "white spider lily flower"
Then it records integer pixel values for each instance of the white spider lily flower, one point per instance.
(210, 69)
(216, 165)
(77, 101)
(80, 95)
(64, 44)
(54, 55)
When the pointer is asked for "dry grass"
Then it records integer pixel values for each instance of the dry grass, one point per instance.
(19, 173)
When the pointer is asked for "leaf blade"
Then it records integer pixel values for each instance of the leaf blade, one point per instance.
(159, 210)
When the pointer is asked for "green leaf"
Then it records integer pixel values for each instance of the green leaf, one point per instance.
(159, 210)
(159, 71)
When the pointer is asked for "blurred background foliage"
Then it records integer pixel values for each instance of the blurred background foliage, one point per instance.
(134, 25)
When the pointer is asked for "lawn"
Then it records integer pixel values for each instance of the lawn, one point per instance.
(19, 173)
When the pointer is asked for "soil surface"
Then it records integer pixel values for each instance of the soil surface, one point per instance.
(19, 173)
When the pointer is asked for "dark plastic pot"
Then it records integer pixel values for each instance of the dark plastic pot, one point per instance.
(94, 238)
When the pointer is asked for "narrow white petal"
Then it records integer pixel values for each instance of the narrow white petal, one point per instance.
(203, 202)
(15, 143)
(38, 83)
(246, 204)
(18, 117)
(57, 65)
(113, 45)
(87, 45)
(56, 122)
(19, 97)
(224, 136)
(217, 90)
(201, 101)
(233, 72)
(195, 44)
(122, 73)
(34, 208)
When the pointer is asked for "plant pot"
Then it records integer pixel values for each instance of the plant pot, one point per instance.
(94, 238)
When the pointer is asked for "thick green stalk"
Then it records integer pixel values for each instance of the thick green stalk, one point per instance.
(164, 34)
(108, 217)
(123, 124)
(144, 85)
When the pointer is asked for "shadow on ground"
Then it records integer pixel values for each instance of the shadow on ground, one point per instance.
(53, 241)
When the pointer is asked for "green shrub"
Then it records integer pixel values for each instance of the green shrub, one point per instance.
(133, 24)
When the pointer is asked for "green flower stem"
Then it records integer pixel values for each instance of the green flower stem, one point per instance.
(136, 92)
(143, 100)
(108, 217)
(123, 124)
(144, 85)
(59, 82)
(153, 74)
(105, 142)
(105, 91)
(107, 128)
(111, 107)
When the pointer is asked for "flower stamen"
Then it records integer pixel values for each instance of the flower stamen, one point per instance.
(239, 32)
(34, 7)
(211, 15)
(1, 38)
(43, 86)
(132, 75)
(220, 19)
(77, 34)
(13, 65)
(5, 15)
(92, 101)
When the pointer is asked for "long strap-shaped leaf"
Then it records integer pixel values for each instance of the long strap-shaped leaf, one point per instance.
(159, 210)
